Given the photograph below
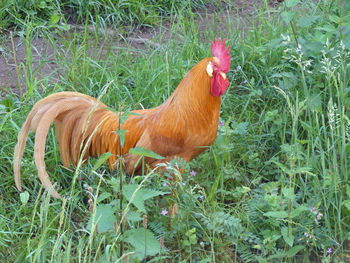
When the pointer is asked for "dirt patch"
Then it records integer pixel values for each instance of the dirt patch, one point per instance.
(13, 63)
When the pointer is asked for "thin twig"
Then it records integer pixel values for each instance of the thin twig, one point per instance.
(294, 33)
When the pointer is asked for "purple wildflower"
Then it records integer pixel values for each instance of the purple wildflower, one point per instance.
(201, 197)
(193, 173)
(244, 82)
(164, 212)
(221, 123)
(329, 251)
(312, 209)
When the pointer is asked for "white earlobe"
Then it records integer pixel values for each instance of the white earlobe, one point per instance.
(210, 69)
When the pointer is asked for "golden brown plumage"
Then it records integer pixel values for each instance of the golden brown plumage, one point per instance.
(181, 126)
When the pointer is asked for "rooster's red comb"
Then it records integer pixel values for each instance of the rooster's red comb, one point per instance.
(218, 50)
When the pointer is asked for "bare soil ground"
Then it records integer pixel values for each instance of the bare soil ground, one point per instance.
(13, 51)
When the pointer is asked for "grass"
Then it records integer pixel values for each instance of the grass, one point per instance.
(273, 187)
(52, 15)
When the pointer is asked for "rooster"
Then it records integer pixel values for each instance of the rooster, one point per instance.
(181, 127)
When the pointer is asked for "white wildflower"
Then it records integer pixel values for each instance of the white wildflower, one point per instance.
(342, 45)
(285, 39)
(328, 45)
(297, 56)
(347, 130)
(333, 116)
(326, 63)
(308, 235)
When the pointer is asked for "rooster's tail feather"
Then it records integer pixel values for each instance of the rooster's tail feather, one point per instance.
(71, 111)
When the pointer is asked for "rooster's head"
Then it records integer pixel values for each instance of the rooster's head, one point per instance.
(218, 67)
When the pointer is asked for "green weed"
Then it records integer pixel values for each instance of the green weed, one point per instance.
(274, 187)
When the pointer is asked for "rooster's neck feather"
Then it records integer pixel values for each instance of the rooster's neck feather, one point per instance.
(193, 96)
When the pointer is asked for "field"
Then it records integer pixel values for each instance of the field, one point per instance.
(274, 186)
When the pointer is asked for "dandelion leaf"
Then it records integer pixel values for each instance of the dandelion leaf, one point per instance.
(103, 218)
(143, 241)
(138, 197)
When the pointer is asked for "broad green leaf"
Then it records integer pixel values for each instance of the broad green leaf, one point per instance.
(140, 196)
(104, 217)
(328, 28)
(133, 216)
(54, 19)
(186, 243)
(245, 189)
(282, 167)
(144, 152)
(270, 187)
(291, 3)
(313, 49)
(287, 16)
(294, 250)
(347, 188)
(101, 160)
(257, 247)
(275, 43)
(125, 115)
(121, 134)
(278, 255)
(346, 203)
(307, 21)
(24, 197)
(143, 241)
(240, 128)
(320, 37)
(288, 193)
(297, 211)
(276, 214)
(103, 196)
(347, 41)
(42, 4)
(334, 19)
(288, 238)
(314, 102)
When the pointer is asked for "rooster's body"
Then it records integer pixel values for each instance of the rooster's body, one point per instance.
(182, 126)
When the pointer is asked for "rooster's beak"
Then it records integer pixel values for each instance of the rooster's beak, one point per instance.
(223, 75)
